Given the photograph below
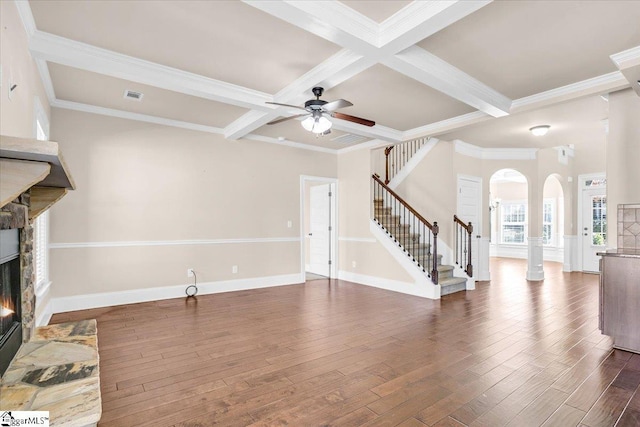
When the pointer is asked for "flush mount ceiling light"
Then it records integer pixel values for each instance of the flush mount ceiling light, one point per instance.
(540, 130)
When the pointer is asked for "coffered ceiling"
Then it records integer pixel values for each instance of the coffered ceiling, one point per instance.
(421, 68)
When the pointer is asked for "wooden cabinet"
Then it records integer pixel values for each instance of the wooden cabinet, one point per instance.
(620, 298)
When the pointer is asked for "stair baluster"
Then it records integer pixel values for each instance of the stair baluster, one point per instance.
(396, 156)
(407, 227)
(463, 245)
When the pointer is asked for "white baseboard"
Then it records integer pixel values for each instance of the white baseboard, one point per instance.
(431, 292)
(45, 316)
(107, 299)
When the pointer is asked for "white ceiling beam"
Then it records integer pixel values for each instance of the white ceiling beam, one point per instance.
(340, 67)
(71, 53)
(628, 62)
(421, 19)
(447, 125)
(428, 69)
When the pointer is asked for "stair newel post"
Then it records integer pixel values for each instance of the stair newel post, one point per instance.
(387, 151)
(434, 271)
(469, 265)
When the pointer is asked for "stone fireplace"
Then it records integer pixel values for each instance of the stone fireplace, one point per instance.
(17, 298)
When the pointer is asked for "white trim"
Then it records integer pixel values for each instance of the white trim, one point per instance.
(357, 239)
(121, 244)
(549, 253)
(446, 125)
(86, 57)
(600, 84)
(412, 163)
(471, 150)
(627, 58)
(26, 16)
(422, 286)
(292, 144)
(535, 259)
(407, 288)
(86, 108)
(334, 220)
(570, 253)
(372, 144)
(127, 115)
(107, 299)
(42, 289)
(45, 316)
(483, 271)
(428, 69)
(578, 266)
(43, 70)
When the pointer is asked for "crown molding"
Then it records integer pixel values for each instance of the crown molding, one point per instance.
(627, 58)
(370, 145)
(43, 70)
(292, 144)
(86, 108)
(50, 47)
(471, 150)
(446, 125)
(24, 11)
(428, 69)
(600, 84)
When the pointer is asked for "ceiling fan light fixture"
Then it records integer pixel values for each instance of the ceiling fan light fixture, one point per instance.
(317, 124)
(540, 130)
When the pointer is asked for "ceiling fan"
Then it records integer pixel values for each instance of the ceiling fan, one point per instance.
(317, 109)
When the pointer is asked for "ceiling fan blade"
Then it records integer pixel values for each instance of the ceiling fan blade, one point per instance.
(297, 107)
(338, 103)
(273, 122)
(354, 119)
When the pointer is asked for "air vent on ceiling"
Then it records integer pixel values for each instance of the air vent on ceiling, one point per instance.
(132, 94)
(349, 138)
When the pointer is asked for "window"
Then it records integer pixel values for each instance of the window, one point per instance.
(598, 220)
(41, 223)
(547, 223)
(514, 222)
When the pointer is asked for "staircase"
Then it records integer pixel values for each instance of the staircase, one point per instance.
(415, 236)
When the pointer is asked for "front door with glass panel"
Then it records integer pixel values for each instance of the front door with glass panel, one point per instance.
(594, 226)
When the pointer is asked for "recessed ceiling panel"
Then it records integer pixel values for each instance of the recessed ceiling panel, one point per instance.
(72, 84)
(377, 10)
(394, 100)
(224, 40)
(576, 122)
(521, 48)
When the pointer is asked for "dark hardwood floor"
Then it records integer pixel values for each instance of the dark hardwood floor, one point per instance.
(511, 353)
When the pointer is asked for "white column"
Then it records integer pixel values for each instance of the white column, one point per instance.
(535, 270)
(570, 246)
(482, 270)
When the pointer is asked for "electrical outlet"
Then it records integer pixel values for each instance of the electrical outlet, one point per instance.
(353, 264)
(234, 269)
(189, 272)
(289, 224)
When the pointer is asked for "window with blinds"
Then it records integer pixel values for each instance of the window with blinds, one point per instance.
(41, 223)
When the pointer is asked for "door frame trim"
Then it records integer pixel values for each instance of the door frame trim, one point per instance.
(581, 189)
(333, 250)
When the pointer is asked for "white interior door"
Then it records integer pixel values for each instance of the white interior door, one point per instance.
(594, 227)
(469, 210)
(320, 230)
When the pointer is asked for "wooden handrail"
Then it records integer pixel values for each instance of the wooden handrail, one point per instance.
(433, 228)
(467, 227)
(387, 151)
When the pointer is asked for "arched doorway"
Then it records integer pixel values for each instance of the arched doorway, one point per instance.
(508, 219)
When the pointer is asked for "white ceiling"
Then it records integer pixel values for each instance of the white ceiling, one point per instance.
(477, 71)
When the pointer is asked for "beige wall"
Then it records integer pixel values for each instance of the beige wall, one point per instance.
(148, 183)
(354, 171)
(623, 155)
(17, 114)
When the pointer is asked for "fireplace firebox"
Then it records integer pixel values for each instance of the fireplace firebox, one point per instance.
(10, 297)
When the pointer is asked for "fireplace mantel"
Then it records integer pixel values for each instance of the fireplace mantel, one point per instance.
(36, 165)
